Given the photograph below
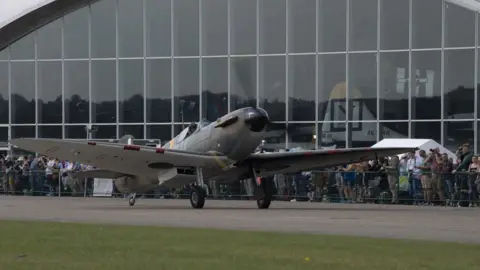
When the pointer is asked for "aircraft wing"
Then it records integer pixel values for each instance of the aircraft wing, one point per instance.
(291, 162)
(119, 158)
(99, 173)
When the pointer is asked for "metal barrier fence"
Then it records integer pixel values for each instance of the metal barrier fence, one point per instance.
(459, 189)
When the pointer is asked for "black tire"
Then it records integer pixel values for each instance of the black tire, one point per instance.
(267, 185)
(197, 197)
(264, 203)
(131, 201)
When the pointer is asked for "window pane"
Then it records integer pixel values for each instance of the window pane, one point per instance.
(130, 28)
(215, 87)
(427, 24)
(4, 136)
(362, 83)
(363, 134)
(214, 27)
(301, 26)
(162, 133)
(477, 146)
(272, 26)
(49, 106)
(272, 86)
(243, 79)
(23, 132)
(77, 105)
(459, 91)
(159, 90)
(394, 24)
(329, 136)
(426, 130)
(186, 21)
(363, 25)
(459, 26)
(186, 106)
(130, 94)
(332, 25)
(458, 133)
(301, 135)
(301, 88)
(103, 29)
(158, 26)
(24, 48)
(478, 85)
(275, 137)
(426, 85)
(4, 54)
(75, 132)
(75, 34)
(4, 79)
(104, 105)
(49, 41)
(333, 135)
(136, 131)
(23, 92)
(105, 132)
(393, 130)
(331, 87)
(50, 132)
(394, 78)
(243, 21)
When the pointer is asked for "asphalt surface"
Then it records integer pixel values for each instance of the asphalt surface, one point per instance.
(389, 221)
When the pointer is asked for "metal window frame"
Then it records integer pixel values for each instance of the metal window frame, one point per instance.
(172, 64)
(475, 126)
(347, 79)
(442, 79)
(144, 33)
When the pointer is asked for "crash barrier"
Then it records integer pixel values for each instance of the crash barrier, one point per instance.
(459, 189)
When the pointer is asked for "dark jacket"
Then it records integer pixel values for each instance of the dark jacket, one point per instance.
(466, 161)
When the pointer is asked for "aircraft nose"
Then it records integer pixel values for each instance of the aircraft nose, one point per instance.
(256, 119)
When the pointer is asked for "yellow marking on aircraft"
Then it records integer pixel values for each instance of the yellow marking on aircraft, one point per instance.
(219, 161)
(171, 144)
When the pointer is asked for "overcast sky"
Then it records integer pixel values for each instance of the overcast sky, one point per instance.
(9, 9)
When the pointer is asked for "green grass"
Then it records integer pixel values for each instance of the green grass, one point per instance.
(38, 245)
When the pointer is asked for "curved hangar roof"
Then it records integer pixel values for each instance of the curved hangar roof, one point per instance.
(20, 17)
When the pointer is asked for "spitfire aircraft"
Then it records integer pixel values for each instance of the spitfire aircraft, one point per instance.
(221, 151)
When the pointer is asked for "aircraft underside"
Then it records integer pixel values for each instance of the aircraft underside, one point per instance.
(262, 190)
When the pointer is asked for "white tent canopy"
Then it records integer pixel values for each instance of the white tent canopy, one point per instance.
(421, 144)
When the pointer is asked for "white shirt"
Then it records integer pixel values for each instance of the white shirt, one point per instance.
(415, 162)
(50, 165)
(411, 164)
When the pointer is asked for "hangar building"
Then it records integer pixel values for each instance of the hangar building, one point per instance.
(330, 73)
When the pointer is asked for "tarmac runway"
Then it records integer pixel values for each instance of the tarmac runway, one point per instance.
(389, 221)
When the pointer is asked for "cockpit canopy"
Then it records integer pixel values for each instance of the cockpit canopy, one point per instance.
(191, 129)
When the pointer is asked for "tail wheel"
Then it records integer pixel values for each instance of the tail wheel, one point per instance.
(131, 201)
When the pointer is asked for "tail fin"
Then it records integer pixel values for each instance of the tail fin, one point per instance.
(126, 139)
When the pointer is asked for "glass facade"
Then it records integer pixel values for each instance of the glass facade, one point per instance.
(343, 73)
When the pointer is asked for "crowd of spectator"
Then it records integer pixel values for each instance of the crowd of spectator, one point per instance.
(425, 178)
(29, 175)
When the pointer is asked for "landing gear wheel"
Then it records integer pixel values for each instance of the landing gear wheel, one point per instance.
(267, 186)
(197, 197)
(131, 201)
(264, 203)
